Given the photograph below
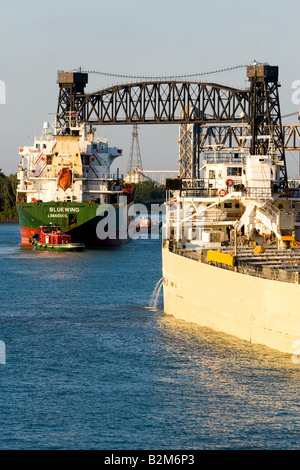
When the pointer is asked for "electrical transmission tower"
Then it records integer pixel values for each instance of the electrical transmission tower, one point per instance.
(134, 159)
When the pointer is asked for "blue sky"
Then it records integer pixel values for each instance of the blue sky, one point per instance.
(134, 37)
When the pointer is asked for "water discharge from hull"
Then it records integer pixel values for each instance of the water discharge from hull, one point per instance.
(155, 294)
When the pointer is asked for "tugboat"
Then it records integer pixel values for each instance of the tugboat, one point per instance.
(52, 238)
(144, 223)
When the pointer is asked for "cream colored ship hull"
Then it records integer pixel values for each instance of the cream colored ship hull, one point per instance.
(254, 309)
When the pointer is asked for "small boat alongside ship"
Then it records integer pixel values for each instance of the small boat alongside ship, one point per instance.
(147, 226)
(144, 224)
(52, 238)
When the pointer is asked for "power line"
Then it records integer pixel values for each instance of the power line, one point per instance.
(166, 77)
(292, 114)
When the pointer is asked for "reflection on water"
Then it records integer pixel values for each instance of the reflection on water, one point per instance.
(238, 395)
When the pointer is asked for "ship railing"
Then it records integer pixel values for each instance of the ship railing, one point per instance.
(38, 158)
(111, 176)
(247, 193)
(104, 176)
(42, 169)
(294, 184)
(210, 187)
(92, 185)
(291, 193)
(214, 157)
(96, 184)
(210, 183)
(267, 272)
(205, 216)
(267, 193)
(258, 193)
(204, 192)
(199, 192)
(272, 211)
(98, 158)
(94, 170)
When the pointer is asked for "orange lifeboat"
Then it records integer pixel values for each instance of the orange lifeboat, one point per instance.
(65, 178)
(128, 188)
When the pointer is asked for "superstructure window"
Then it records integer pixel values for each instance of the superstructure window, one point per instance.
(234, 171)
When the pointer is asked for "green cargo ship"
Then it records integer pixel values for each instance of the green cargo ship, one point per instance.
(65, 179)
(80, 220)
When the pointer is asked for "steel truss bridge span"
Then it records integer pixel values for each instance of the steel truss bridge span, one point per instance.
(159, 103)
(238, 136)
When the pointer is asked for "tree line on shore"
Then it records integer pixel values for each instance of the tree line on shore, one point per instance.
(148, 192)
(8, 188)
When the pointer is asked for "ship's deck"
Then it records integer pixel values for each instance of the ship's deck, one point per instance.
(271, 257)
(274, 263)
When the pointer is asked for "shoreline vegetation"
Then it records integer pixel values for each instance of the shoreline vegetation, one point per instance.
(8, 188)
(145, 193)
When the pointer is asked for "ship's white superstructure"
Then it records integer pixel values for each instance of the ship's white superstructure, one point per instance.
(238, 194)
(87, 158)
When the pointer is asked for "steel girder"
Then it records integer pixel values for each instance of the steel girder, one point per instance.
(238, 136)
(163, 102)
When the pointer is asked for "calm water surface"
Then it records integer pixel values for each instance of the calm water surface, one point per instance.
(90, 366)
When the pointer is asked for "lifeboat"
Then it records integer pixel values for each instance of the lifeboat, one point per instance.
(65, 178)
(128, 188)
